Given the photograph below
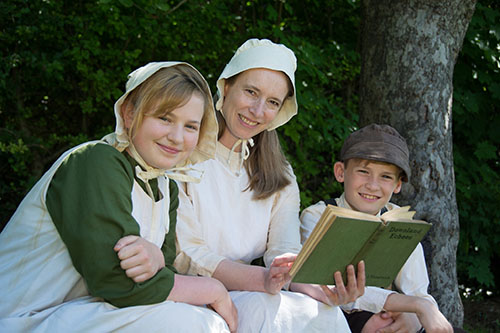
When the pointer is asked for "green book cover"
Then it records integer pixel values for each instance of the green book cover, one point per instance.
(338, 241)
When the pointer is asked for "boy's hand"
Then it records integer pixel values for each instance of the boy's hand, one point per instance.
(277, 275)
(140, 258)
(339, 294)
(427, 315)
(402, 322)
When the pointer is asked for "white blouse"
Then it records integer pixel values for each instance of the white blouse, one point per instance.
(219, 219)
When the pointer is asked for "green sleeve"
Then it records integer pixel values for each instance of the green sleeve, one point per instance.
(169, 244)
(89, 200)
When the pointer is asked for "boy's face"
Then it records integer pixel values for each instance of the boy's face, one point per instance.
(368, 185)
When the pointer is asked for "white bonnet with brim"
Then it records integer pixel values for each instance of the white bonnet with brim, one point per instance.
(262, 53)
(205, 148)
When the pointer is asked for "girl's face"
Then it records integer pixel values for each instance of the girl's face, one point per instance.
(165, 141)
(251, 102)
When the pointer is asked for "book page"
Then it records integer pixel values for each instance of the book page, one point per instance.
(346, 212)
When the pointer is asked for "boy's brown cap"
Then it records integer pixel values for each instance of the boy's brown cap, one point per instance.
(378, 143)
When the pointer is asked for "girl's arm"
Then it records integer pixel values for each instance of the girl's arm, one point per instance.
(89, 200)
(200, 290)
(142, 259)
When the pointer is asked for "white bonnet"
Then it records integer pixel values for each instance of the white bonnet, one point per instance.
(262, 53)
(208, 132)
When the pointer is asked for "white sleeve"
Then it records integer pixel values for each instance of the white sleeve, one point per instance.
(193, 255)
(284, 227)
(373, 300)
(412, 279)
(309, 218)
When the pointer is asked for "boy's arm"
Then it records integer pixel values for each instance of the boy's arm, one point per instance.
(413, 279)
(427, 313)
(373, 300)
(308, 219)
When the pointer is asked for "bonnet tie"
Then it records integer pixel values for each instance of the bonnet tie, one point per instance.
(245, 151)
(151, 173)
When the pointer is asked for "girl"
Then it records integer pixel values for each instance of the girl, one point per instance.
(70, 255)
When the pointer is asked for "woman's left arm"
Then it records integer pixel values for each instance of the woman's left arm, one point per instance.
(284, 227)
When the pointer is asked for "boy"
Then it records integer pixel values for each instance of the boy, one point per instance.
(374, 161)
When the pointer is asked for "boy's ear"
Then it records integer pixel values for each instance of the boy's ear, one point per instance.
(127, 111)
(338, 171)
(397, 189)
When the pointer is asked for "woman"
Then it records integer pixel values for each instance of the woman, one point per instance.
(69, 255)
(247, 205)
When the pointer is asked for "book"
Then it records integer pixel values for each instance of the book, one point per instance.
(343, 237)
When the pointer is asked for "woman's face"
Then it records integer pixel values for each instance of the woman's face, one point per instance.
(165, 141)
(251, 102)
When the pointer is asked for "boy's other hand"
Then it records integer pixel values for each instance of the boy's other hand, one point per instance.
(402, 322)
(140, 258)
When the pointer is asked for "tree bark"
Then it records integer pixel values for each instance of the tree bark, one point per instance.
(409, 49)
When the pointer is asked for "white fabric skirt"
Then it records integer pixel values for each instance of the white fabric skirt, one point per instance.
(88, 314)
(286, 312)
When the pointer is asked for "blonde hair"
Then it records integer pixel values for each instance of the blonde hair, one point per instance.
(166, 90)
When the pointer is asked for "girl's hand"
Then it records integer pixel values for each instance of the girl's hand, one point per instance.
(277, 275)
(140, 258)
(224, 306)
(201, 290)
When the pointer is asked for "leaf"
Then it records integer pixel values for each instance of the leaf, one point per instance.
(127, 3)
(486, 151)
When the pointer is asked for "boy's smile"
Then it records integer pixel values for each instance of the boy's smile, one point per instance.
(368, 185)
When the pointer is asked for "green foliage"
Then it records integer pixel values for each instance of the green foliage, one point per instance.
(64, 63)
(477, 149)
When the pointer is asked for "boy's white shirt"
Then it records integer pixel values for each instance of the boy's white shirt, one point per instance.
(411, 280)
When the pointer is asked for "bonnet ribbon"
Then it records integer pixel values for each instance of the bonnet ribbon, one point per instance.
(245, 151)
(152, 173)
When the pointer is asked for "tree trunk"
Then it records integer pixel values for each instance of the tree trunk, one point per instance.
(409, 49)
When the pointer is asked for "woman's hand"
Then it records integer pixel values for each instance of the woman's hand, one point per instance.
(140, 258)
(277, 275)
